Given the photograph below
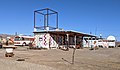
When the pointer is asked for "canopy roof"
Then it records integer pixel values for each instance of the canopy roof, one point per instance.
(64, 32)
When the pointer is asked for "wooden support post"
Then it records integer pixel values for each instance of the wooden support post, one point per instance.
(50, 41)
(82, 43)
(67, 40)
(62, 40)
(74, 50)
(57, 40)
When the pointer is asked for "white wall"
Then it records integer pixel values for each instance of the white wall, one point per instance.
(90, 43)
(111, 43)
(44, 40)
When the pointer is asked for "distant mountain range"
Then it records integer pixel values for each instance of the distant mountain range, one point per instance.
(6, 35)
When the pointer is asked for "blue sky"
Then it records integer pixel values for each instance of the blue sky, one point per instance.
(96, 16)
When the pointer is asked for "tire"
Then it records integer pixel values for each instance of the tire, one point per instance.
(24, 44)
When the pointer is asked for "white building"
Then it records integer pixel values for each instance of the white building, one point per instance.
(59, 38)
(53, 37)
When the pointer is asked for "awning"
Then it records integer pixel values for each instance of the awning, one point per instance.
(64, 32)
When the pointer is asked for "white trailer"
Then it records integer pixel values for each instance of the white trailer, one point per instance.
(111, 41)
(104, 43)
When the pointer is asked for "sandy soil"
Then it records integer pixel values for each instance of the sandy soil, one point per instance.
(56, 59)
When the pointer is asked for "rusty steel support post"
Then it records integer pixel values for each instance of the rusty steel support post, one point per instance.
(34, 19)
(57, 21)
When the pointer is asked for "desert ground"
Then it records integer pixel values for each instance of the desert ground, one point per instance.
(56, 59)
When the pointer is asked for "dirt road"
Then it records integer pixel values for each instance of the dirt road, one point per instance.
(55, 59)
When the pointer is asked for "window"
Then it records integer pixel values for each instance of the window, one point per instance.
(17, 38)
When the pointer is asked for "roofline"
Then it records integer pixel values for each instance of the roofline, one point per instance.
(72, 31)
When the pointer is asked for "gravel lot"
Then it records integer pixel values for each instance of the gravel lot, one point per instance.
(56, 59)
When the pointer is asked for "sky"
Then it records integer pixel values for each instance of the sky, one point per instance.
(87, 16)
